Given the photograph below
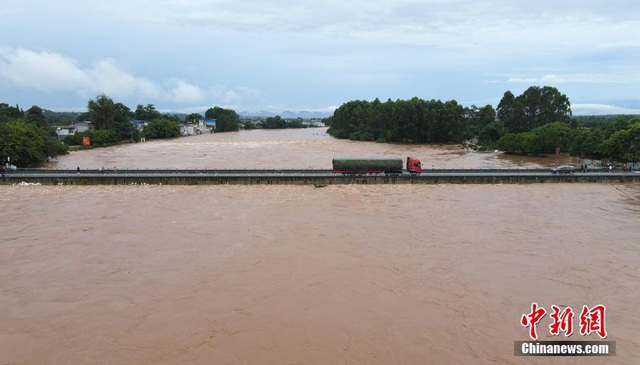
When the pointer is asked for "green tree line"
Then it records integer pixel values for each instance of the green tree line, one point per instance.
(277, 122)
(539, 121)
(536, 122)
(227, 120)
(25, 138)
(111, 122)
(408, 121)
(617, 139)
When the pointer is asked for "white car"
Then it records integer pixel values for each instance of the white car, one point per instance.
(563, 169)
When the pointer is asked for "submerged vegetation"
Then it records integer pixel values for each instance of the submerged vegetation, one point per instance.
(537, 122)
(25, 138)
(28, 138)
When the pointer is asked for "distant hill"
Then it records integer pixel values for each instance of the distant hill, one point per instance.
(61, 118)
(591, 121)
(285, 114)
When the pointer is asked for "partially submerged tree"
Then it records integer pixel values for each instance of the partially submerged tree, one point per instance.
(536, 107)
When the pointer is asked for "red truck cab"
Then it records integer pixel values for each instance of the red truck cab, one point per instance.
(414, 167)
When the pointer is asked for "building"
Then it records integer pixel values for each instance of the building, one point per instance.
(82, 127)
(139, 124)
(317, 124)
(210, 124)
(189, 129)
(65, 131)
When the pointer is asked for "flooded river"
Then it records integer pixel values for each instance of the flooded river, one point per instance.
(269, 149)
(357, 274)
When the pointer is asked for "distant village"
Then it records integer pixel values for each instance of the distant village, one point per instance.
(187, 128)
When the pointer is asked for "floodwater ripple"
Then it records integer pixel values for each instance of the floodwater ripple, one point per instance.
(302, 275)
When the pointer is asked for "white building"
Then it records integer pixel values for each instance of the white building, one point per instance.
(62, 132)
(82, 126)
(139, 124)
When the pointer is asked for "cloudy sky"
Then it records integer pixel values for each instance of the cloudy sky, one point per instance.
(293, 55)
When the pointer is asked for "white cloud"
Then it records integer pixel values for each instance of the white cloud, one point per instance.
(524, 80)
(601, 109)
(234, 96)
(107, 77)
(486, 28)
(596, 78)
(186, 93)
(41, 71)
(52, 72)
(205, 52)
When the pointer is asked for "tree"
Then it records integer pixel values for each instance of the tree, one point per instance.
(408, 121)
(405, 123)
(550, 136)
(632, 152)
(9, 112)
(545, 105)
(453, 122)
(147, 113)
(624, 143)
(295, 123)
(348, 118)
(506, 107)
(126, 131)
(516, 143)
(541, 140)
(193, 117)
(274, 123)
(83, 116)
(27, 144)
(535, 107)
(103, 137)
(226, 119)
(161, 128)
(485, 116)
(491, 133)
(381, 115)
(74, 139)
(106, 114)
(36, 116)
(102, 111)
(172, 117)
(121, 114)
(579, 144)
(122, 123)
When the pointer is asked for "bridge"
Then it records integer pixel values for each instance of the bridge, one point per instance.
(316, 178)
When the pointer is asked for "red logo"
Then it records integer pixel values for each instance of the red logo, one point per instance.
(562, 321)
(591, 320)
(531, 320)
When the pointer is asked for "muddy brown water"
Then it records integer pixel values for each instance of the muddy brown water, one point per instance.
(302, 275)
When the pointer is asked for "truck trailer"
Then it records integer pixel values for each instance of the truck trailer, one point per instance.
(365, 166)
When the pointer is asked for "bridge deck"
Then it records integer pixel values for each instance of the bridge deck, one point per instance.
(305, 177)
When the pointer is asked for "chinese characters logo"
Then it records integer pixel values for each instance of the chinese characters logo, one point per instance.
(592, 320)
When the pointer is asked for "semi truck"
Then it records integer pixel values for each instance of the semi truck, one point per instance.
(365, 166)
